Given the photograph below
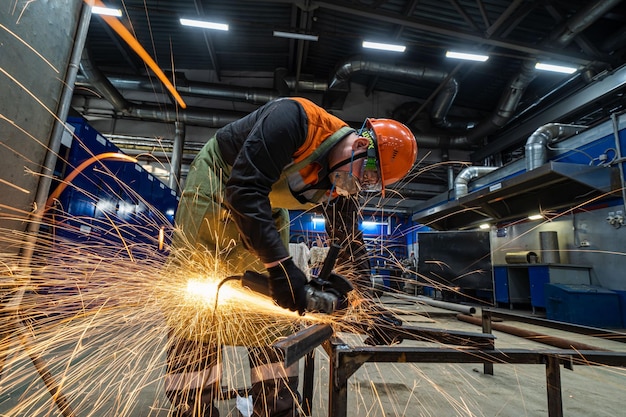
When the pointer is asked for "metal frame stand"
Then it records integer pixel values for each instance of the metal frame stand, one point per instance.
(346, 360)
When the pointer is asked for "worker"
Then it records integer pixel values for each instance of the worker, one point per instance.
(288, 154)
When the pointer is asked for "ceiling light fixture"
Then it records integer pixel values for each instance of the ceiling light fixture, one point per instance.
(204, 24)
(384, 46)
(555, 68)
(484, 226)
(318, 219)
(106, 11)
(535, 217)
(466, 56)
(293, 35)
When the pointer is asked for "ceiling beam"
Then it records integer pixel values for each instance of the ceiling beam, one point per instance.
(453, 32)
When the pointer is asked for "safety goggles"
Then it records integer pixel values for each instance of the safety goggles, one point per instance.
(368, 173)
(363, 175)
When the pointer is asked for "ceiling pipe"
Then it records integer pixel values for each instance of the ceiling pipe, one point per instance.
(161, 113)
(465, 176)
(191, 88)
(177, 156)
(505, 109)
(560, 38)
(581, 21)
(536, 148)
(442, 102)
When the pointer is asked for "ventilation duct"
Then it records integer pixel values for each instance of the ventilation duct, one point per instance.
(465, 176)
(560, 38)
(510, 99)
(441, 104)
(214, 91)
(160, 113)
(537, 143)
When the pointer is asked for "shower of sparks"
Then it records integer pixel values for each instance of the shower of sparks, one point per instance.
(95, 310)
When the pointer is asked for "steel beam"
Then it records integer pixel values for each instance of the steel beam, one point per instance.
(294, 347)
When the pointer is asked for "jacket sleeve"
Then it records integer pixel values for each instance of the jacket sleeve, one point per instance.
(268, 148)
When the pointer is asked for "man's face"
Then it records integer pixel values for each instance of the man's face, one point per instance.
(357, 175)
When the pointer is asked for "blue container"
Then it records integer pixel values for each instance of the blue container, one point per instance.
(586, 305)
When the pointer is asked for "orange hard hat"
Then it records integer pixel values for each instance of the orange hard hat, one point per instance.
(396, 148)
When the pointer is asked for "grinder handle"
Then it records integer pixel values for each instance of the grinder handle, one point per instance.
(257, 282)
(329, 261)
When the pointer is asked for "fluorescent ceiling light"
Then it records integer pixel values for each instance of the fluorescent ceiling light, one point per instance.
(535, 217)
(292, 35)
(384, 46)
(466, 56)
(369, 223)
(106, 11)
(555, 68)
(484, 226)
(203, 24)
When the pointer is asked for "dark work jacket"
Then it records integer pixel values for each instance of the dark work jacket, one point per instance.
(280, 141)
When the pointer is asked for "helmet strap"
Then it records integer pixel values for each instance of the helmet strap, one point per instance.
(350, 160)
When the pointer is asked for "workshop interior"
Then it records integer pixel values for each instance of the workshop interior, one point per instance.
(501, 250)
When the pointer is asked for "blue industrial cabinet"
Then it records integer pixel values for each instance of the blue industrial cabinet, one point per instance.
(501, 284)
(110, 199)
(583, 304)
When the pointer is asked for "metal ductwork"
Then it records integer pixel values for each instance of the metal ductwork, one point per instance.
(209, 90)
(579, 22)
(465, 176)
(160, 113)
(442, 102)
(536, 146)
(504, 111)
(559, 39)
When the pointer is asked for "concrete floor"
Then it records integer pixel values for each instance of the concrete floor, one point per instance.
(399, 389)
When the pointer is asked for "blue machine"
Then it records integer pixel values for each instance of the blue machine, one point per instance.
(111, 201)
(583, 304)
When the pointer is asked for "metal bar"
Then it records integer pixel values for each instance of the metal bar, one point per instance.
(307, 383)
(299, 344)
(426, 334)
(553, 386)
(534, 336)
(502, 18)
(569, 327)
(391, 354)
(338, 378)
(486, 316)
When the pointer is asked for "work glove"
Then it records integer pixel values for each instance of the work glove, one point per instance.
(287, 283)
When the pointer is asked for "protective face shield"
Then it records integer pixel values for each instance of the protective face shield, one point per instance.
(369, 173)
(363, 175)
